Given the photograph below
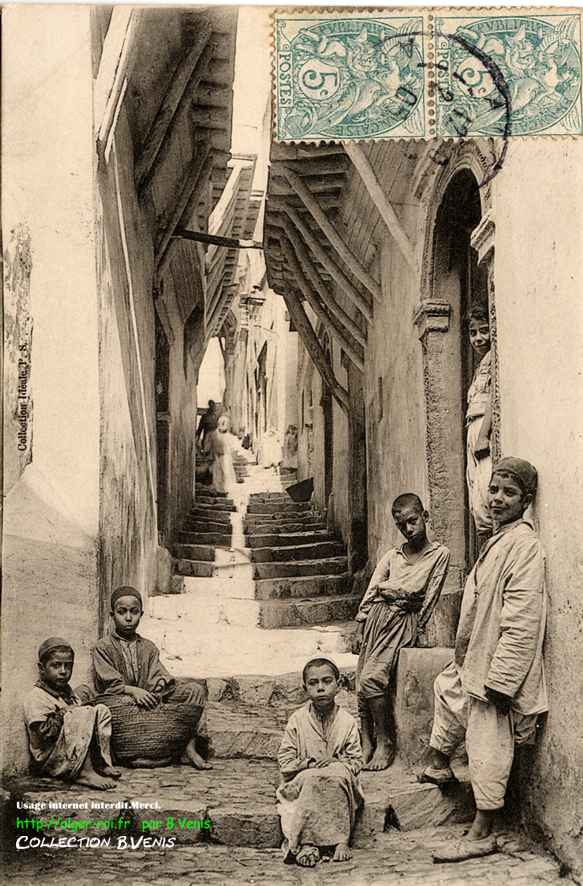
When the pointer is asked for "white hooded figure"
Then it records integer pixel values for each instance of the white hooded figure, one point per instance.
(221, 449)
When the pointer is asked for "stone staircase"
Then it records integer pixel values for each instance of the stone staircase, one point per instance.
(207, 527)
(300, 569)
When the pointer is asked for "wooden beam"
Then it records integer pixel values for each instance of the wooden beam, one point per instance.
(381, 201)
(194, 179)
(114, 68)
(343, 338)
(331, 233)
(337, 165)
(308, 267)
(315, 350)
(356, 298)
(196, 60)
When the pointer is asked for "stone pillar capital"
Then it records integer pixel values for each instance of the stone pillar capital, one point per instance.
(482, 239)
(432, 316)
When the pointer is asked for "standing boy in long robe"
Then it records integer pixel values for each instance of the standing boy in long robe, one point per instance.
(494, 690)
(126, 664)
(319, 758)
(398, 603)
(67, 738)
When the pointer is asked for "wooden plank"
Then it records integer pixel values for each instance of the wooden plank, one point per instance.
(379, 198)
(337, 165)
(114, 68)
(332, 233)
(328, 300)
(314, 349)
(357, 299)
(335, 328)
(197, 59)
(194, 179)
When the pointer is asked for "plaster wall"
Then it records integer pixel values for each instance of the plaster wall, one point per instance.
(538, 280)
(51, 507)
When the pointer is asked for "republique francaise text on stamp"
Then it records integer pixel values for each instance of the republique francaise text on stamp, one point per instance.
(444, 73)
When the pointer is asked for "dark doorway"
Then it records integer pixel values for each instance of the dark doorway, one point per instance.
(328, 415)
(464, 284)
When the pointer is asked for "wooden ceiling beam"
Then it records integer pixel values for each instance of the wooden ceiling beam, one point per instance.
(381, 201)
(336, 329)
(328, 183)
(314, 349)
(356, 297)
(308, 267)
(337, 165)
(282, 151)
(331, 233)
(191, 68)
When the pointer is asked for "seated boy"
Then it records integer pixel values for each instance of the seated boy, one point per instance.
(127, 664)
(399, 600)
(67, 739)
(319, 759)
(493, 691)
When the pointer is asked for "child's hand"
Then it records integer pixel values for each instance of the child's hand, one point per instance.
(482, 449)
(142, 697)
(323, 761)
(356, 644)
(160, 685)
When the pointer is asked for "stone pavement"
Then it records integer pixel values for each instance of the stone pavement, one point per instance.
(394, 858)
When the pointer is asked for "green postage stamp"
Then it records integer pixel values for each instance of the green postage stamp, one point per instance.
(346, 74)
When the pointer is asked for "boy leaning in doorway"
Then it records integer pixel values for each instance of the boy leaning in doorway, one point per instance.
(400, 598)
(493, 691)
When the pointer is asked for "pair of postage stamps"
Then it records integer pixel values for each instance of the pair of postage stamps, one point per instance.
(356, 74)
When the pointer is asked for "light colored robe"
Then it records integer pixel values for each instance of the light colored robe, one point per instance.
(319, 806)
(478, 470)
(500, 635)
(61, 752)
(389, 627)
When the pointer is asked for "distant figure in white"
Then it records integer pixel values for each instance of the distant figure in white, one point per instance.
(221, 449)
(290, 448)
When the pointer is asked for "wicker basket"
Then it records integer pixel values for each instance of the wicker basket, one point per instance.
(153, 735)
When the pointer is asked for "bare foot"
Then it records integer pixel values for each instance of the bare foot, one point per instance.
(193, 758)
(95, 781)
(382, 757)
(367, 748)
(308, 856)
(342, 853)
(110, 772)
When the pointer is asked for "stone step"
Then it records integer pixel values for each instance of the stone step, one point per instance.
(222, 503)
(329, 566)
(200, 488)
(278, 527)
(310, 610)
(195, 568)
(205, 526)
(282, 539)
(220, 539)
(218, 506)
(194, 552)
(316, 550)
(283, 517)
(200, 515)
(288, 588)
(295, 507)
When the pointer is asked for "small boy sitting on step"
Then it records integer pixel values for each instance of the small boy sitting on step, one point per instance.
(126, 664)
(67, 738)
(319, 759)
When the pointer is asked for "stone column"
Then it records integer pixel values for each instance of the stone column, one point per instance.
(444, 455)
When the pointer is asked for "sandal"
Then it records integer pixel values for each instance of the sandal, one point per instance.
(463, 849)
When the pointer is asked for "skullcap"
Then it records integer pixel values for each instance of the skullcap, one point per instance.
(51, 644)
(125, 591)
(523, 472)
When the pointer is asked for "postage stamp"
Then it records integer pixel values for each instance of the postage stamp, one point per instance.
(356, 75)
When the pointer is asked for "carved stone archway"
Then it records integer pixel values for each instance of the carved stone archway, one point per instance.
(458, 216)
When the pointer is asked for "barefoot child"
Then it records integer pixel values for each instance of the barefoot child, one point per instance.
(319, 759)
(67, 739)
(399, 600)
(493, 691)
(127, 664)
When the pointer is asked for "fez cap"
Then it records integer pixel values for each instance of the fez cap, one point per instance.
(50, 644)
(126, 591)
(523, 472)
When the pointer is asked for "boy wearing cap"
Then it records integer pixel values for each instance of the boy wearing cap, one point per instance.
(127, 664)
(67, 738)
(493, 691)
